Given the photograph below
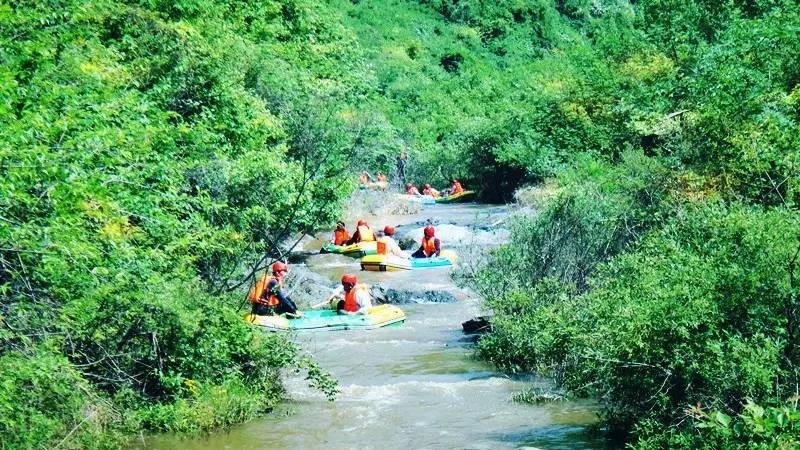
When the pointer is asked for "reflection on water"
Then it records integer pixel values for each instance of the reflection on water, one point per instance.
(416, 386)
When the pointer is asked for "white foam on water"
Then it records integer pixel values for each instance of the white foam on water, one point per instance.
(431, 321)
(330, 264)
(391, 392)
(342, 343)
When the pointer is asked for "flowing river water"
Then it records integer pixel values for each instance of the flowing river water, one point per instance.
(413, 386)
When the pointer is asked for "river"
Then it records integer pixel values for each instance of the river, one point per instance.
(414, 386)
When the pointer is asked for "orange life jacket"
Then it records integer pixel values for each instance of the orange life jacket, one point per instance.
(365, 234)
(257, 293)
(456, 189)
(340, 237)
(350, 301)
(429, 246)
(383, 245)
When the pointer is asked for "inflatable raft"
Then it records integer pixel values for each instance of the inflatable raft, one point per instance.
(460, 197)
(328, 320)
(355, 250)
(391, 263)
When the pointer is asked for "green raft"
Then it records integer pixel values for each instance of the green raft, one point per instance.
(328, 320)
(358, 250)
(460, 197)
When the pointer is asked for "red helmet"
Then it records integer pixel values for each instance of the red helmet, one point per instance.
(388, 230)
(427, 186)
(279, 266)
(350, 279)
(429, 230)
(361, 222)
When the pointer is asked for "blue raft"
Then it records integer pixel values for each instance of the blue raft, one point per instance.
(391, 263)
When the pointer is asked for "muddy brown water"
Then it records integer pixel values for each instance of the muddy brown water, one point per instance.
(414, 386)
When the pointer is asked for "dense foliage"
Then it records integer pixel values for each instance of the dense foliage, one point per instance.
(157, 154)
(660, 274)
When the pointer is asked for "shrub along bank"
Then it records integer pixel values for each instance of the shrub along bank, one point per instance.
(695, 319)
(153, 154)
(661, 275)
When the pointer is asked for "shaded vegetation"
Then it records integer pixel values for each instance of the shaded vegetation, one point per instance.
(154, 156)
(660, 275)
(158, 154)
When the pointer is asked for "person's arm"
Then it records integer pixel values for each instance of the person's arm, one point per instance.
(278, 292)
(337, 292)
(397, 251)
(438, 245)
(354, 239)
(270, 290)
(364, 302)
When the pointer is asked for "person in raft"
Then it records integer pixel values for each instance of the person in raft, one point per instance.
(456, 188)
(411, 189)
(352, 298)
(267, 295)
(381, 177)
(388, 246)
(363, 233)
(430, 191)
(431, 246)
(365, 177)
(340, 234)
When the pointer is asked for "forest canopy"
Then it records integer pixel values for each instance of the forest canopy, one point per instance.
(155, 155)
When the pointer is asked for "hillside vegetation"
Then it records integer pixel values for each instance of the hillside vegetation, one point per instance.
(157, 154)
(154, 155)
(661, 273)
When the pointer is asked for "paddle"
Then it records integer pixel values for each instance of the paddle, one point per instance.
(321, 304)
(324, 302)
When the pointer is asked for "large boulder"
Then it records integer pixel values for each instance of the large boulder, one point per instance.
(305, 287)
(381, 295)
(478, 325)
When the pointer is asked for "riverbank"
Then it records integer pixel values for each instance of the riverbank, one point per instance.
(417, 383)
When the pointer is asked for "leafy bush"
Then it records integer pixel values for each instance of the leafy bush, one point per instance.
(147, 177)
(597, 211)
(773, 427)
(44, 401)
(702, 311)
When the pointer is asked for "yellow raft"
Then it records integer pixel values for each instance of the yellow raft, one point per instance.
(392, 263)
(460, 197)
(355, 250)
(328, 320)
